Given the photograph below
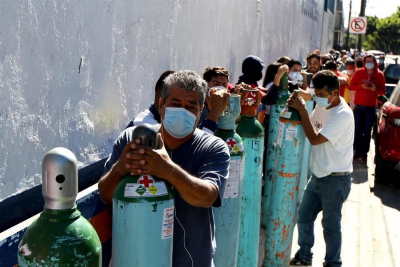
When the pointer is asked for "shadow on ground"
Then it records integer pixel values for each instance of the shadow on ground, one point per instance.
(389, 193)
(360, 172)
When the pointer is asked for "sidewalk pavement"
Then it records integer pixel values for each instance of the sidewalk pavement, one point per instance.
(357, 240)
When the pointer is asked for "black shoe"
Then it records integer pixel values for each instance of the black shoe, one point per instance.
(296, 261)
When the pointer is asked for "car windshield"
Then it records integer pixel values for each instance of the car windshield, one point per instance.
(393, 72)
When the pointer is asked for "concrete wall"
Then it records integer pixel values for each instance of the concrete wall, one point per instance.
(72, 73)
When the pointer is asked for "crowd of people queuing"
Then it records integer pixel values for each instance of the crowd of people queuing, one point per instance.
(186, 107)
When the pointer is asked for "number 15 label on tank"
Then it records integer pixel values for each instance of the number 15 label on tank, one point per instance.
(145, 187)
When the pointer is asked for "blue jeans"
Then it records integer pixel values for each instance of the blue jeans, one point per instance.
(325, 194)
(364, 118)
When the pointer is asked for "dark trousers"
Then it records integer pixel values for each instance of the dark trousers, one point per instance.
(364, 118)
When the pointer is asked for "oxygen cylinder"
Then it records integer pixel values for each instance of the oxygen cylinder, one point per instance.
(143, 215)
(284, 190)
(227, 217)
(276, 108)
(252, 134)
(60, 236)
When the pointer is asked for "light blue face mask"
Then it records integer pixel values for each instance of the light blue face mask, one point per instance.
(179, 122)
(322, 102)
(369, 65)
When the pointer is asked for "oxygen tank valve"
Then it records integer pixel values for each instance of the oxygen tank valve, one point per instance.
(148, 135)
(59, 179)
(60, 232)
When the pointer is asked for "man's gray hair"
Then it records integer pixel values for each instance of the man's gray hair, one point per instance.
(185, 79)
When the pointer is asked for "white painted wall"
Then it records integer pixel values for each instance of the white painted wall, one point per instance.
(122, 47)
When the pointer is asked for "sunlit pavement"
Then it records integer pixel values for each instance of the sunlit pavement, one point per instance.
(370, 223)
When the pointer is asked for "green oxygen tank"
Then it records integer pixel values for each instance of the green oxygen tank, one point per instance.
(227, 217)
(143, 215)
(60, 236)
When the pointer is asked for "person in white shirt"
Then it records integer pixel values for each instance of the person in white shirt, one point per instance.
(330, 129)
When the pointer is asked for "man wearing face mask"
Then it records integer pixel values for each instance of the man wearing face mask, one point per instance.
(368, 83)
(381, 62)
(194, 162)
(330, 130)
(349, 71)
(217, 98)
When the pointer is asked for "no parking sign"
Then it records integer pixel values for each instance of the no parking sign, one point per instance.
(358, 25)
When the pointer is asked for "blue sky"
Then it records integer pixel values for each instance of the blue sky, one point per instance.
(379, 8)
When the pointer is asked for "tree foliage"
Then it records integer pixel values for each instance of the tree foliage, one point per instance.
(383, 34)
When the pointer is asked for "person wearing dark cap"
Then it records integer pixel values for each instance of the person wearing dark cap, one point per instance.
(252, 68)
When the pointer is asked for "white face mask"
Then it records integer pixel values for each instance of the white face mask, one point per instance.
(322, 102)
(295, 77)
(350, 72)
(219, 88)
(369, 65)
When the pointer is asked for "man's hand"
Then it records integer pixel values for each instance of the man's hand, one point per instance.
(282, 70)
(145, 160)
(304, 74)
(372, 87)
(296, 102)
(219, 100)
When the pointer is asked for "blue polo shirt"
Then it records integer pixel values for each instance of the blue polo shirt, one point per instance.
(206, 157)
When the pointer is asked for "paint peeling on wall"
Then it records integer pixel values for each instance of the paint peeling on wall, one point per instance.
(73, 73)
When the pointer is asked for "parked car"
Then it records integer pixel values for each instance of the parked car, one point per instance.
(387, 140)
(392, 76)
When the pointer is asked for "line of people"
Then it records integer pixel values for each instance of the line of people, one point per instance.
(195, 163)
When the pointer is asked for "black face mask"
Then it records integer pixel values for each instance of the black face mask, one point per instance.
(359, 64)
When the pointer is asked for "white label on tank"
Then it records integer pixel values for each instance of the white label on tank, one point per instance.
(155, 189)
(168, 223)
(291, 133)
(232, 184)
(281, 129)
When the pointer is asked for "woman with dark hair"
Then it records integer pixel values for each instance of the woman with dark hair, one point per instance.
(270, 73)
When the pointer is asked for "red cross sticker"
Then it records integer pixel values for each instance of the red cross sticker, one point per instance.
(231, 142)
(146, 180)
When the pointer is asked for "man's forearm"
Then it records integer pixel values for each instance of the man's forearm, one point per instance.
(193, 190)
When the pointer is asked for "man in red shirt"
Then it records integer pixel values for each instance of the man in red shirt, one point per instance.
(369, 83)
